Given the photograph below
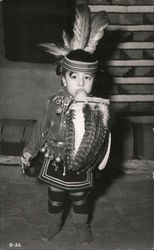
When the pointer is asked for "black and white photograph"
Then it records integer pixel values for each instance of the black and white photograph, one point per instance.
(76, 125)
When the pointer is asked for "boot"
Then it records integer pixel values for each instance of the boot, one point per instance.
(53, 227)
(83, 231)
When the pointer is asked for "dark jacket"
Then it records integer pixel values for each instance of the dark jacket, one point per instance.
(50, 135)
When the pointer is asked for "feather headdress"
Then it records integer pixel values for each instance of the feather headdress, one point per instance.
(86, 33)
(98, 24)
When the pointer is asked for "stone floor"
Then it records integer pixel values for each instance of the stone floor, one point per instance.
(121, 205)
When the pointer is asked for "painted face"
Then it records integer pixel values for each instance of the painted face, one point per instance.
(75, 81)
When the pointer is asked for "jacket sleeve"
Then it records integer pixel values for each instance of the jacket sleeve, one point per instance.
(37, 139)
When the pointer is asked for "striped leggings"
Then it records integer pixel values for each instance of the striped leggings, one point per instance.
(56, 199)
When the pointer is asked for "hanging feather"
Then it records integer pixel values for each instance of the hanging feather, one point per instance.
(93, 139)
(55, 50)
(88, 137)
(98, 142)
(105, 111)
(67, 154)
(81, 30)
(99, 23)
(97, 124)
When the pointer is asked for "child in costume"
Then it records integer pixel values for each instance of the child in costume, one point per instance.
(73, 130)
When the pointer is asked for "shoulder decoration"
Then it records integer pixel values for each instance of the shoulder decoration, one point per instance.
(63, 103)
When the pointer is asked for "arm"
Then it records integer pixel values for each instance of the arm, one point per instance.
(37, 139)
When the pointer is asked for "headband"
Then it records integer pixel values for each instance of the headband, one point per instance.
(72, 65)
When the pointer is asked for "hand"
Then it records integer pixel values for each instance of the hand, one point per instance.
(25, 159)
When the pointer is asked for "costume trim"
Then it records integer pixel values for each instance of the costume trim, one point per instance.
(74, 185)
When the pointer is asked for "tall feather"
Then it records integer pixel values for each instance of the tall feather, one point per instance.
(99, 23)
(82, 25)
(55, 50)
(66, 40)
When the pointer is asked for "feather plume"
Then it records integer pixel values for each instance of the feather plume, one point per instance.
(81, 30)
(99, 23)
(88, 137)
(55, 50)
(66, 40)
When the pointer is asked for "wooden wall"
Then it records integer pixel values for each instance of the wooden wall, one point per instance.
(131, 31)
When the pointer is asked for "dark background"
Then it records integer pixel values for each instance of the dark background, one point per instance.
(27, 23)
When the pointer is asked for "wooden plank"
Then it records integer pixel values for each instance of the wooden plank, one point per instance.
(128, 2)
(144, 71)
(9, 160)
(118, 2)
(132, 89)
(136, 45)
(140, 36)
(126, 63)
(134, 80)
(128, 36)
(130, 45)
(133, 109)
(130, 71)
(132, 98)
(146, 27)
(118, 54)
(122, 8)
